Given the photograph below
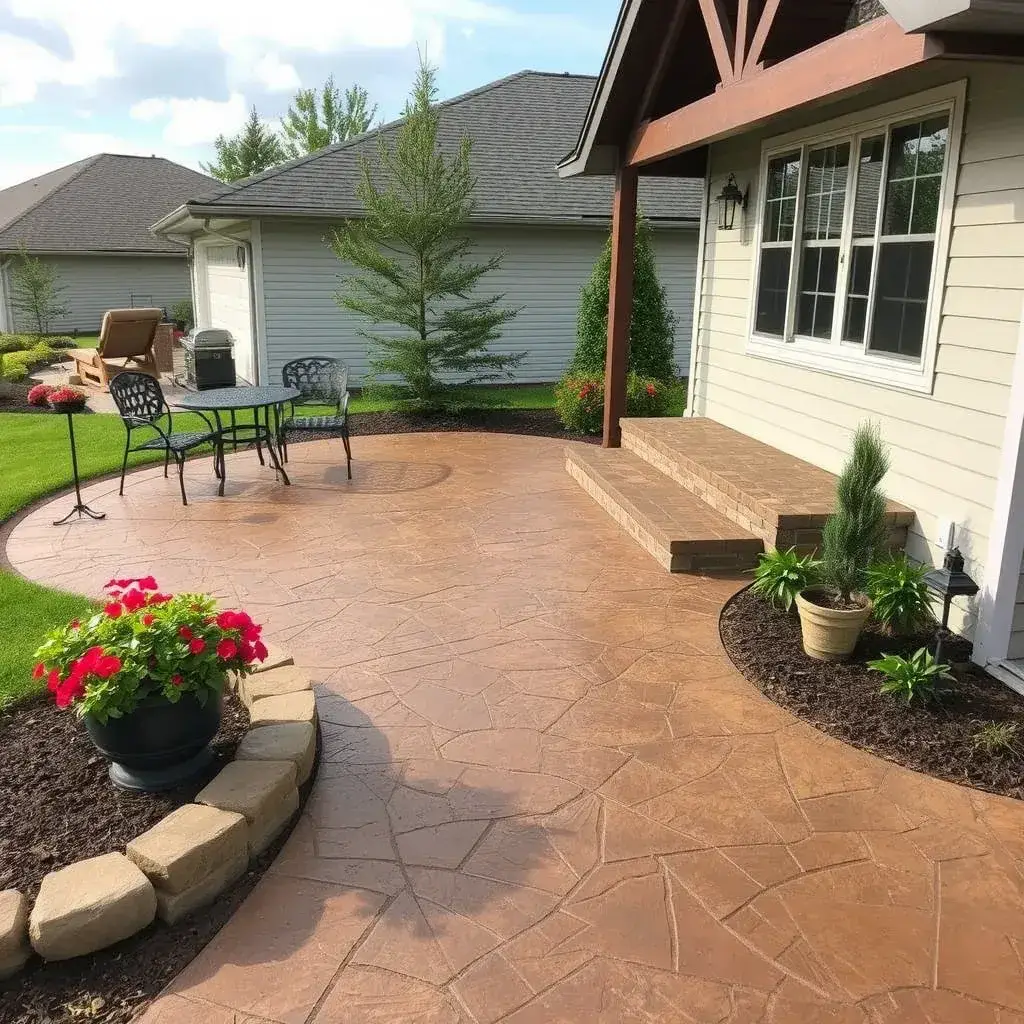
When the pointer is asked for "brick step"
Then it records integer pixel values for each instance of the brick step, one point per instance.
(679, 530)
(775, 496)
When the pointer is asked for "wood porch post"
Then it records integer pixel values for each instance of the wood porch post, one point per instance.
(620, 303)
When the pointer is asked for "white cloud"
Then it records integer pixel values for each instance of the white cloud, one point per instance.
(25, 65)
(192, 122)
(275, 75)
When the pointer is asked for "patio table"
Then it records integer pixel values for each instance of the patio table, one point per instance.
(231, 400)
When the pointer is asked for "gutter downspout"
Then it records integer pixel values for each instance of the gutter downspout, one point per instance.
(250, 278)
(6, 313)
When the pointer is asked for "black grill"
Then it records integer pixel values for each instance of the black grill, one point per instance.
(209, 362)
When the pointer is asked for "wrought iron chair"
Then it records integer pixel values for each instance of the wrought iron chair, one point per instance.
(320, 381)
(141, 403)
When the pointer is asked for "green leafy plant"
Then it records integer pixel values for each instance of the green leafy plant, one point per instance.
(16, 342)
(254, 149)
(651, 329)
(144, 643)
(36, 292)
(579, 399)
(917, 678)
(997, 738)
(320, 118)
(898, 592)
(182, 313)
(412, 258)
(781, 575)
(855, 533)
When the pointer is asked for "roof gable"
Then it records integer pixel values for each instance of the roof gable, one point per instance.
(104, 203)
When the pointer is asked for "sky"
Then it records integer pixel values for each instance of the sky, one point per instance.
(79, 77)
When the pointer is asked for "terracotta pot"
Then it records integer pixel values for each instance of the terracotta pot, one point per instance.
(830, 634)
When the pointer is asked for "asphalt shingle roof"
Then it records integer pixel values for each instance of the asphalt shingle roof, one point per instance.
(521, 126)
(104, 203)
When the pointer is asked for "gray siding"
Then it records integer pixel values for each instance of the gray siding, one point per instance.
(94, 284)
(543, 271)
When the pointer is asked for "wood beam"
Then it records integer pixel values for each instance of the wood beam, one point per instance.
(664, 58)
(760, 37)
(620, 303)
(723, 45)
(838, 65)
(746, 24)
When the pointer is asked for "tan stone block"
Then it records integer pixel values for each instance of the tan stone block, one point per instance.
(252, 788)
(267, 828)
(276, 657)
(14, 947)
(273, 683)
(183, 848)
(291, 707)
(89, 905)
(172, 907)
(288, 741)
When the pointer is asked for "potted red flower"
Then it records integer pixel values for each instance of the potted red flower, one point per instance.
(66, 399)
(39, 395)
(146, 675)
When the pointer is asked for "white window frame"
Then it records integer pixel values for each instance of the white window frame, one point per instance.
(846, 359)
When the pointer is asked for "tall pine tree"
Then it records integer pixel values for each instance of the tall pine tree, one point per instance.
(411, 253)
(321, 118)
(254, 149)
(652, 329)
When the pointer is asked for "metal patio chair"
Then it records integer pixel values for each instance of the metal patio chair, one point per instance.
(319, 380)
(141, 403)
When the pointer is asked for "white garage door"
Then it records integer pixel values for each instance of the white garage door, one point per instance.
(227, 286)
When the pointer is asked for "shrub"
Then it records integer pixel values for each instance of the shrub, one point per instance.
(66, 397)
(36, 292)
(918, 677)
(62, 341)
(652, 328)
(16, 342)
(40, 395)
(781, 575)
(996, 738)
(901, 602)
(854, 534)
(182, 313)
(16, 364)
(579, 399)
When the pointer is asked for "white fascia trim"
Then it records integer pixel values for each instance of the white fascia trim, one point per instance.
(1006, 534)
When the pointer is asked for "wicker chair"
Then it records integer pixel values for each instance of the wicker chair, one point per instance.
(140, 401)
(319, 381)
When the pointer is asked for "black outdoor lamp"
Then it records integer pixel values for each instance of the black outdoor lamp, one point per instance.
(948, 582)
(729, 200)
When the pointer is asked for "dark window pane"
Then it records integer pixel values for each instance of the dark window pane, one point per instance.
(926, 206)
(869, 186)
(772, 292)
(805, 314)
(897, 208)
(828, 272)
(823, 316)
(904, 271)
(860, 269)
(819, 270)
(856, 314)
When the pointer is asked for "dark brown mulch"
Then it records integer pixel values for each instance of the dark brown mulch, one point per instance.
(57, 804)
(843, 699)
(535, 422)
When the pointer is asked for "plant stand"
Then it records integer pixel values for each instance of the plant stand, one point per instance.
(80, 508)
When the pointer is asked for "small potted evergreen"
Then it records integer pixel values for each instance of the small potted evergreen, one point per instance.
(833, 614)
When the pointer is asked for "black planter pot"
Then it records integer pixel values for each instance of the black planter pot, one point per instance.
(159, 745)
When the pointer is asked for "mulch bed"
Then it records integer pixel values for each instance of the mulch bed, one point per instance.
(843, 699)
(535, 422)
(58, 806)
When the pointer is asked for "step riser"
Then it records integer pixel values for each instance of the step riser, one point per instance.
(806, 540)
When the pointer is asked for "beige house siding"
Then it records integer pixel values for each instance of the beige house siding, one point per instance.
(945, 445)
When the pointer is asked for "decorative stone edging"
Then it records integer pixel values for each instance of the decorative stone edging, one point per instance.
(193, 854)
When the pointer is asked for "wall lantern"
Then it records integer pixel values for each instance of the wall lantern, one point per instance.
(730, 199)
(948, 582)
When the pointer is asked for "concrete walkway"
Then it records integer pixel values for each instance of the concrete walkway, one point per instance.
(546, 796)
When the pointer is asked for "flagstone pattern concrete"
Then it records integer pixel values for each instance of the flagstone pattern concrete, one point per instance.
(546, 795)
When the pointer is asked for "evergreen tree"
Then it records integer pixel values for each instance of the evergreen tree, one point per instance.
(254, 149)
(36, 292)
(411, 254)
(319, 119)
(652, 330)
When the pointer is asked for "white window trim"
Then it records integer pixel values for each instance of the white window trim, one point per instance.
(842, 359)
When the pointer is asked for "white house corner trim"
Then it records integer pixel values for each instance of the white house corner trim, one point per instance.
(698, 289)
(1006, 537)
(259, 302)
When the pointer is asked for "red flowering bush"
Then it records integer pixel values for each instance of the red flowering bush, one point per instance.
(40, 394)
(66, 398)
(143, 643)
(580, 400)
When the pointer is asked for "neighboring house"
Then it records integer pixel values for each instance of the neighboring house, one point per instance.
(91, 221)
(877, 271)
(263, 270)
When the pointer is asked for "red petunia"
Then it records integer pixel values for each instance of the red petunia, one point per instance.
(226, 620)
(159, 598)
(148, 619)
(197, 645)
(70, 690)
(185, 633)
(251, 633)
(133, 600)
(227, 649)
(113, 610)
(107, 666)
(176, 680)
(147, 583)
(53, 680)
(261, 651)
(246, 652)
(120, 584)
(39, 671)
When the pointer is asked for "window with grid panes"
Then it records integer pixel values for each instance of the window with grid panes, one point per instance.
(847, 243)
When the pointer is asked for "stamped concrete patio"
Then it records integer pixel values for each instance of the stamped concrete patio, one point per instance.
(546, 795)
